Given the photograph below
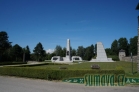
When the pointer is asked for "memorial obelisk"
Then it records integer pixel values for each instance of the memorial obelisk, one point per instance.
(68, 58)
(137, 8)
(101, 54)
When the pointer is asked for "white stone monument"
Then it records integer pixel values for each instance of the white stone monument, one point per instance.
(101, 54)
(68, 57)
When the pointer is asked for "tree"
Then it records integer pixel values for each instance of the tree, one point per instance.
(89, 52)
(32, 57)
(95, 49)
(7, 56)
(73, 52)
(26, 53)
(133, 45)
(80, 51)
(49, 56)
(64, 52)
(114, 47)
(108, 51)
(92, 49)
(17, 52)
(58, 50)
(39, 52)
(123, 44)
(4, 43)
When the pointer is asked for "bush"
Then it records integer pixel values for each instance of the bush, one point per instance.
(114, 57)
(119, 68)
(48, 74)
(41, 64)
(12, 63)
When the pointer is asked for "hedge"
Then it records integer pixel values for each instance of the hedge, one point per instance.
(48, 74)
(32, 65)
(12, 63)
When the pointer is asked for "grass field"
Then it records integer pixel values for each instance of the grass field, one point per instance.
(127, 66)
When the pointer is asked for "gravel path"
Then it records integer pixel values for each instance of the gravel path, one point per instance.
(14, 84)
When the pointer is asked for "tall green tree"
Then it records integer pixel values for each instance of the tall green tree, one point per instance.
(58, 50)
(7, 56)
(89, 53)
(108, 51)
(17, 52)
(133, 45)
(39, 52)
(64, 52)
(114, 47)
(4, 43)
(95, 49)
(73, 52)
(123, 44)
(92, 49)
(81, 51)
(26, 53)
(49, 56)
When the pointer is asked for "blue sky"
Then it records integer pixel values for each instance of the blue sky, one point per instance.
(52, 22)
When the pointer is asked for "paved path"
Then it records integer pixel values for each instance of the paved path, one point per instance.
(14, 84)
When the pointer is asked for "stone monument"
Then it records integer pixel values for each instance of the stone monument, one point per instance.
(68, 57)
(137, 8)
(101, 54)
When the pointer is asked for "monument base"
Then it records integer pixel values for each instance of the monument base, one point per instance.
(65, 59)
(108, 60)
(68, 57)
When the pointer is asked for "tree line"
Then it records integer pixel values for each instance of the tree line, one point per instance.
(86, 53)
(17, 53)
(123, 44)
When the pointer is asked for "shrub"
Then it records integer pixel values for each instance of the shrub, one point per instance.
(114, 57)
(12, 63)
(41, 64)
(119, 68)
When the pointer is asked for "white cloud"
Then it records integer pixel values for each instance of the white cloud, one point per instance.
(50, 51)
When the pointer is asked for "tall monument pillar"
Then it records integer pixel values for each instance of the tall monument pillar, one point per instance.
(68, 58)
(101, 54)
(137, 8)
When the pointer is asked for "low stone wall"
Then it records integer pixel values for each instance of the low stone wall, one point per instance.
(129, 59)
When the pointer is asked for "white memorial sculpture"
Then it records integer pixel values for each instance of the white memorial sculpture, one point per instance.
(68, 57)
(101, 54)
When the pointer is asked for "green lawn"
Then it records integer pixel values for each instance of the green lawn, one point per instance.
(127, 66)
